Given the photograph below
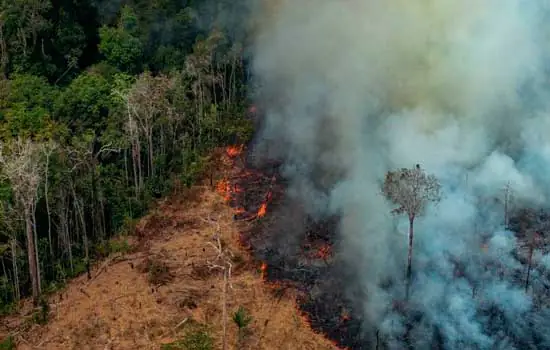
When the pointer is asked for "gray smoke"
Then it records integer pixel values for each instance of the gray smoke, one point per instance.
(354, 88)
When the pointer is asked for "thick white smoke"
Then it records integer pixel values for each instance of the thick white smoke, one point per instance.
(354, 88)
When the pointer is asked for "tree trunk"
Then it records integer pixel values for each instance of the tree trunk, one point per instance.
(15, 270)
(506, 204)
(5, 272)
(35, 234)
(4, 58)
(232, 75)
(31, 254)
(125, 154)
(530, 261)
(46, 190)
(64, 224)
(224, 308)
(94, 196)
(135, 166)
(151, 154)
(80, 215)
(139, 164)
(409, 255)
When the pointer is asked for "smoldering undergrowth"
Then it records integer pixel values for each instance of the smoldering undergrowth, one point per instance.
(352, 89)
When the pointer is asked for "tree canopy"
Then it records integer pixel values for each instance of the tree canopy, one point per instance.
(100, 105)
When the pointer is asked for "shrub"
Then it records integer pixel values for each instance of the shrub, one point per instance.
(7, 344)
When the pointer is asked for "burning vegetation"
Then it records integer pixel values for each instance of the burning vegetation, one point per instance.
(307, 265)
(311, 266)
(405, 86)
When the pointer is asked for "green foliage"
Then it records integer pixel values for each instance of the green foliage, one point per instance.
(198, 338)
(7, 308)
(78, 269)
(411, 189)
(241, 318)
(120, 46)
(84, 104)
(25, 107)
(109, 138)
(5, 192)
(33, 91)
(8, 344)
(193, 166)
(113, 246)
(41, 316)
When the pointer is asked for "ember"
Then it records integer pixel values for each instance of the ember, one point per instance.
(262, 210)
(224, 188)
(240, 211)
(324, 252)
(344, 316)
(250, 191)
(234, 151)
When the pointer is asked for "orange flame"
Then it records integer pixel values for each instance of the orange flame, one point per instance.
(233, 151)
(263, 269)
(344, 316)
(240, 210)
(263, 210)
(224, 188)
(324, 252)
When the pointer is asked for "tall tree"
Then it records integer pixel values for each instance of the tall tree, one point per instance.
(411, 190)
(22, 167)
(149, 102)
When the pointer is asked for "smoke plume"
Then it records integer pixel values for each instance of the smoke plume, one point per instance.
(354, 88)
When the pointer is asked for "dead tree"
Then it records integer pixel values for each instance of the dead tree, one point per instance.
(508, 197)
(148, 101)
(533, 226)
(22, 166)
(48, 150)
(132, 131)
(532, 241)
(11, 225)
(222, 262)
(411, 189)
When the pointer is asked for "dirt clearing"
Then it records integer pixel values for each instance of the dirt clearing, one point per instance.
(171, 286)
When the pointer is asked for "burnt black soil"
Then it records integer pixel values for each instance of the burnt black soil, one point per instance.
(289, 242)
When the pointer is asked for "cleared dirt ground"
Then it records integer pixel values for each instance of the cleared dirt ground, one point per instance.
(167, 285)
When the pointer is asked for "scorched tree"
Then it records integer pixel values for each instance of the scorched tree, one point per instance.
(411, 190)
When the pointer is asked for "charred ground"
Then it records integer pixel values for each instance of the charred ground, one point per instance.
(298, 251)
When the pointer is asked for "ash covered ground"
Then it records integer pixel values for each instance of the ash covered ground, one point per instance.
(308, 259)
(460, 88)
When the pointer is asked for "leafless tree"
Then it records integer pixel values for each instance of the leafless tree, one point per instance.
(132, 130)
(22, 166)
(533, 227)
(411, 189)
(148, 101)
(48, 149)
(222, 262)
(508, 197)
(11, 224)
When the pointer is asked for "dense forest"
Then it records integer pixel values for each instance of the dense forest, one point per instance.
(103, 106)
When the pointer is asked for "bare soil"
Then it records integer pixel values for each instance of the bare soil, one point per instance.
(146, 298)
